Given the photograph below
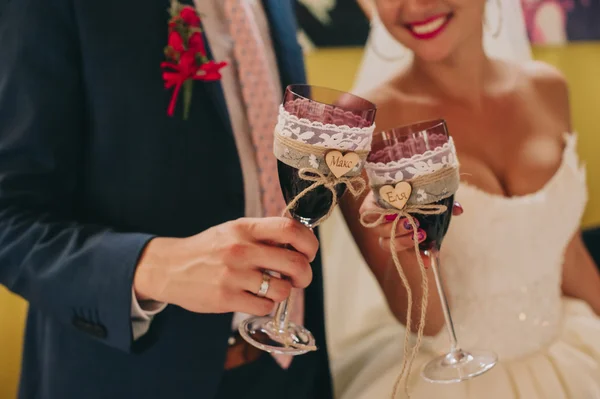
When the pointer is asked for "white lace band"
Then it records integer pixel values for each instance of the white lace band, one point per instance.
(339, 137)
(410, 168)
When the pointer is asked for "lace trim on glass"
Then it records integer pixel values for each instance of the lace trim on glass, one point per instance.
(343, 138)
(413, 167)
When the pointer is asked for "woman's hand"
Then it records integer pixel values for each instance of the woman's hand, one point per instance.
(404, 231)
(386, 273)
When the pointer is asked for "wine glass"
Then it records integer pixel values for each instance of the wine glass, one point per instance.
(421, 149)
(324, 118)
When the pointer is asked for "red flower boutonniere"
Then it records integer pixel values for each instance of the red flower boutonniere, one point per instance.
(186, 56)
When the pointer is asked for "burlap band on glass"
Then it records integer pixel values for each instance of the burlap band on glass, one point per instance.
(300, 155)
(312, 166)
(428, 189)
(425, 190)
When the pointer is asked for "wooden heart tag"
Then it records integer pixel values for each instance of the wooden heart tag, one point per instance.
(340, 164)
(396, 196)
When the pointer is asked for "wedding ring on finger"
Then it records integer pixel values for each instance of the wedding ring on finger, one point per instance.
(264, 286)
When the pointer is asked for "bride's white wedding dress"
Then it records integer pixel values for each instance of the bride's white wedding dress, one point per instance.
(502, 265)
(501, 261)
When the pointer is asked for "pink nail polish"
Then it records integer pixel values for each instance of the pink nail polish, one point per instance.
(391, 218)
(408, 226)
(459, 208)
(421, 235)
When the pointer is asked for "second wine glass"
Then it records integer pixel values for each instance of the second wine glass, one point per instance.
(411, 152)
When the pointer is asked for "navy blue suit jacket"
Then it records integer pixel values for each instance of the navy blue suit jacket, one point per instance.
(92, 168)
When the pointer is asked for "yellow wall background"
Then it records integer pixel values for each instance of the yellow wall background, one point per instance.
(336, 68)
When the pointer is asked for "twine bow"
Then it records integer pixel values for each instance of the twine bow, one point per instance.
(406, 212)
(356, 185)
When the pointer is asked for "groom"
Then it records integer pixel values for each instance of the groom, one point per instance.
(121, 225)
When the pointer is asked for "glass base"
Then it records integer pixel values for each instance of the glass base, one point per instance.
(458, 366)
(262, 333)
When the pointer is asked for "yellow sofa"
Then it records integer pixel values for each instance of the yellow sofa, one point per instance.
(336, 68)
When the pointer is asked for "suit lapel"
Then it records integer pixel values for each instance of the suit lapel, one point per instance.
(215, 89)
(282, 21)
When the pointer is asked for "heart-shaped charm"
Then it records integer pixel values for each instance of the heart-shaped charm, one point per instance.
(340, 164)
(396, 196)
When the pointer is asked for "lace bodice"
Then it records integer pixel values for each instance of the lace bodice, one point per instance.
(502, 262)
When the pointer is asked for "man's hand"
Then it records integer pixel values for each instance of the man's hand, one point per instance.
(220, 270)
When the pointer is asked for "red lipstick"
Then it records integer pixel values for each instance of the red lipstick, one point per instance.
(430, 27)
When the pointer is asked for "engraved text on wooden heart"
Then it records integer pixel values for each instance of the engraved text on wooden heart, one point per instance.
(341, 164)
(396, 196)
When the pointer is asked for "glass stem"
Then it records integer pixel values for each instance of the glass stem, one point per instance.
(281, 314)
(434, 256)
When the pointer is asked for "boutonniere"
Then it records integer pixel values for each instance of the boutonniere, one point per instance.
(186, 56)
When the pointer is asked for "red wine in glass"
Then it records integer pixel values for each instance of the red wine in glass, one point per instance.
(315, 204)
(436, 226)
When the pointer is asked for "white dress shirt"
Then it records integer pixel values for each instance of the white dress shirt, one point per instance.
(221, 45)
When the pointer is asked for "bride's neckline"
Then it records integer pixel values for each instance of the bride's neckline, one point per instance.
(569, 143)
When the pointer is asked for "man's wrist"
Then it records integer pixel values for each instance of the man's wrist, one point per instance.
(147, 280)
(142, 281)
(140, 297)
(145, 310)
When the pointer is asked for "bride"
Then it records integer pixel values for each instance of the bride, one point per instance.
(519, 280)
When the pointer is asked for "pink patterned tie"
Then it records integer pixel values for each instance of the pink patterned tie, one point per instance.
(262, 107)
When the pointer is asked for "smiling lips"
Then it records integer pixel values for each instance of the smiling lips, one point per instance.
(429, 28)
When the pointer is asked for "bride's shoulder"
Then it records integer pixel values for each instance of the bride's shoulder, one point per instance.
(543, 78)
(549, 86)
(545, 86)
(546, 78)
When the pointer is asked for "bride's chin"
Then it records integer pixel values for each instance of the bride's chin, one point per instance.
(432, 55)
